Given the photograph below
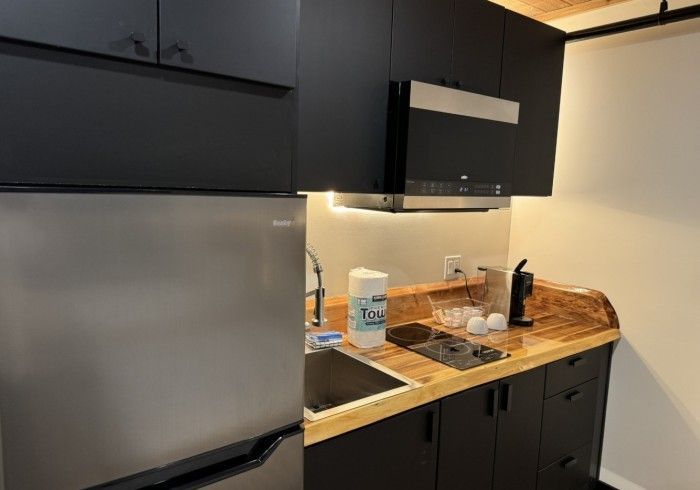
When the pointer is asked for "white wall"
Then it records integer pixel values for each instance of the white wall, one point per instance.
(625, 218)
(410, 247)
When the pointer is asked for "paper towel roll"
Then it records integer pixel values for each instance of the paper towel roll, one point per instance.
(367, 307)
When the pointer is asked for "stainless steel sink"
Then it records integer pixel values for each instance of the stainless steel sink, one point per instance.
(336, 380)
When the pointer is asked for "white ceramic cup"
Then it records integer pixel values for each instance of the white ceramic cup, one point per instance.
(477, 326)
(496, 321)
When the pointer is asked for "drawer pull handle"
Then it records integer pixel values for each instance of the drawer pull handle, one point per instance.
(494, 403)
(569, 462)
(579, 361)
(507, 401)
(574, 397)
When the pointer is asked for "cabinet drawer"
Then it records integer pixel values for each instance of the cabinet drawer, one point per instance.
(570, 472)
(572, 371)
(567, 421)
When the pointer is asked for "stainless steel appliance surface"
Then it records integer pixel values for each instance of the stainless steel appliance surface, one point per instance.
(506, 290)
(447, 150)
(336, 381)
(151, 338)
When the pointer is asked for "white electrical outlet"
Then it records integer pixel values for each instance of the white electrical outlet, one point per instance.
(452, 262)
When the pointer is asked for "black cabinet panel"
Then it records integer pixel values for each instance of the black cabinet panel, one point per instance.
(568, 473)
(533, 57)
(422, 40)
(568, 421)
(71, 119)
(343, 94)
(468, 439)
(519, 424)
(573, 370)
(399, 452)
(249, 39)
(123, 28)
(478, 46)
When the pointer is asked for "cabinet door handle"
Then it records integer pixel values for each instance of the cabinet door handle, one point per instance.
(182, 45)
(138, 37)
(569, 462)
(507, 403)
(579, 361)
(574, 397)
(431, 426)
(494, 403)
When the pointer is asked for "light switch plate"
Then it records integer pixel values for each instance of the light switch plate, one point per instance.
(452, 262)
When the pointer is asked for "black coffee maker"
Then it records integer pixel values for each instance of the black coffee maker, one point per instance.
(506, 290)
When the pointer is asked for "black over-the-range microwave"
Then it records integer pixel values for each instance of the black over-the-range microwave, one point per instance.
(447, 150)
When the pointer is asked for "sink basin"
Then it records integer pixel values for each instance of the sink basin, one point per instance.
(336, 380)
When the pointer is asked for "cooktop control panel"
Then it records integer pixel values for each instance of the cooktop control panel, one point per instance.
(456, 188)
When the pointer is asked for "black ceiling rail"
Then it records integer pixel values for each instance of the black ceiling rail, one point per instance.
(663, 17)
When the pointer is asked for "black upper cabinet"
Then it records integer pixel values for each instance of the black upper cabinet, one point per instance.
(343, 94)
(123, 28)
(399, 452)
(448, 42)
(478, 45)
(468, 439)
(422, 40)
(533, 57)
(249, 39)
(519, 425)
(73, 119)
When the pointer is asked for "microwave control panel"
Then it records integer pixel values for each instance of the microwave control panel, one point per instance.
(456, 188)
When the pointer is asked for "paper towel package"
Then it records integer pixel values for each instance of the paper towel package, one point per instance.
(367, 307)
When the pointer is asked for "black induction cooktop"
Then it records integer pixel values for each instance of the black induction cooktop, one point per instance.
(449, 349)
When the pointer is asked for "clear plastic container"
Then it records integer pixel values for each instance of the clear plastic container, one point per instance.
(456, 313)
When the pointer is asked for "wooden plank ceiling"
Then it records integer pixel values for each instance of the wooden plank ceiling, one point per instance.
(544, 10)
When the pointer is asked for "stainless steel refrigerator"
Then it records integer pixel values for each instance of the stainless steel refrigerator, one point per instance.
(151, 340)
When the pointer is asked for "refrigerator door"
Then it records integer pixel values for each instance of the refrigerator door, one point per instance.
(279, 472)
(141, 329)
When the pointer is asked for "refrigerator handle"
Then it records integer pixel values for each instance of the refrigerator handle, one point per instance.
(206, 468)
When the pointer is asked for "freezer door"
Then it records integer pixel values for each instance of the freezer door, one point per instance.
(282, 471)
(141, 329)
(271, 462)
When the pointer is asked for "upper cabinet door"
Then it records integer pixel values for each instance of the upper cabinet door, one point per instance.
(533, 59)
(478, 46)
(247, 39)
(123, 28)
(343, 94)
(421, 47)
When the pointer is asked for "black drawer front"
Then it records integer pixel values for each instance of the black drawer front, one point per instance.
(567, 421)
(572, 371)
(570, 472)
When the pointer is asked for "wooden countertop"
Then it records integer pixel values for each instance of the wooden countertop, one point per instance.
(568, 320)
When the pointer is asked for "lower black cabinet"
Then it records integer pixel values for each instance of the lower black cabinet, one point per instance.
(468, 439)
(519, 424)
(490, 435)
(568, 421)
(399, 452)
(568, 473)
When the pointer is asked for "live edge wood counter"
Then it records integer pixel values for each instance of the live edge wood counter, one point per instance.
(568, 320)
